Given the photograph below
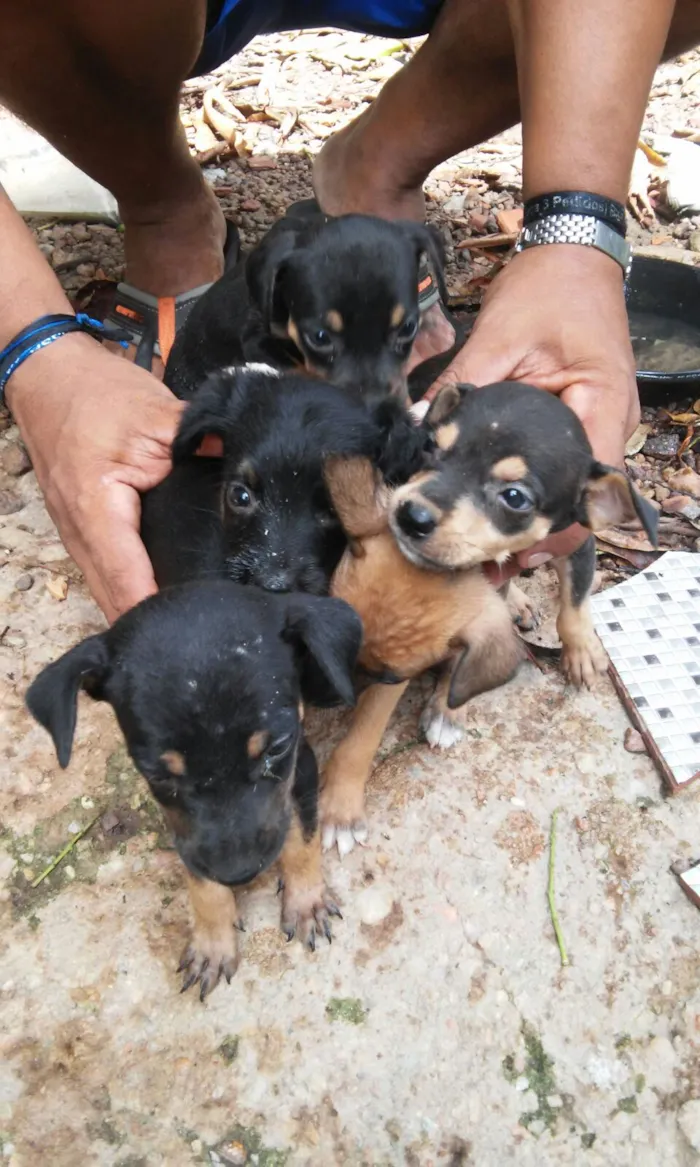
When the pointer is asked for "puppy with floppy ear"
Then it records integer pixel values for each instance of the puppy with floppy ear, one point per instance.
(412, 619)
(339, 296)
(207, 684)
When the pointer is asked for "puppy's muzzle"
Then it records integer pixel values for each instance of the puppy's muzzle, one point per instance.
(415, 520)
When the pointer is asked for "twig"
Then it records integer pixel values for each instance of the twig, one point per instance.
(550, 890)
(66, 851)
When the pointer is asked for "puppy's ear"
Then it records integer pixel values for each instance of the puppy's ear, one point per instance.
(358, 498)
(209, 412)
(428, 241)
(265, 268)
(328, 634)
(610, 499)
(53, 697)
(444, 403)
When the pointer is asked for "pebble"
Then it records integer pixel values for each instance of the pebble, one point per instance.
(24, 582)
(15, 460)
(634, 742)
(86, 802)
(73, 828)
(233, 1154)
(586, 763)
(662, 445)
(522, 1084)
(69, 871)
(14, 642)
(10, 502)
(689, 1122)
(694, 241)
(373, 905)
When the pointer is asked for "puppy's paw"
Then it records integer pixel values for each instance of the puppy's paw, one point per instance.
(524, 612)
(584, 660)
(211, 954)
(440, 728)
(306, 913)
(343, 822)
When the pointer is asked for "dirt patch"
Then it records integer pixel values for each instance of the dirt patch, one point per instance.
(521, 836)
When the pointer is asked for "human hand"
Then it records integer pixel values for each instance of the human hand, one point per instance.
(555, 317)
(98, 430)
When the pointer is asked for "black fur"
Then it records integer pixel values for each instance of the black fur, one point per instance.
(198, 670)
(307, 266)
(276, 432)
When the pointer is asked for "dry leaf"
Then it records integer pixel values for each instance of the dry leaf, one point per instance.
(637, 439)
(222, 115)
(682, 418)
(204, 138)
(630, 540)
(483, 242)
(685, 480)
(696, 406)
(638, 559)
(58, 587)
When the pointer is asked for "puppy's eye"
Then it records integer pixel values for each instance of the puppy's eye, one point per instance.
(279, 747)
(516, 498)
(407, 331)
(319, 341)
(238, 497)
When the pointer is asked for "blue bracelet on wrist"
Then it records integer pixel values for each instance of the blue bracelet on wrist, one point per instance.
(45, 331)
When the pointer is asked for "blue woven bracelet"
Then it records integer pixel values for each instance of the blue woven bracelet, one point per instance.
(45, 331)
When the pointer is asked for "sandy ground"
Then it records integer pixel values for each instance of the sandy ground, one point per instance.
(440, 1028)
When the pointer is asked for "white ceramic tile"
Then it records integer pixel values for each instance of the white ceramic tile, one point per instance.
(650, 626)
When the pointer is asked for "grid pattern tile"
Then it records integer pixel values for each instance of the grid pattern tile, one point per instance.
(650, 627)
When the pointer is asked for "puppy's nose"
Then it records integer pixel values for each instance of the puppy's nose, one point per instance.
(281, 581)
(415, 519)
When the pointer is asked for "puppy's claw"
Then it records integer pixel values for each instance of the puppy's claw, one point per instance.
(209, 957)
(186, 959)
(345, 841)
(189, 981)
(305, 914)
(311, 939)
(441, 731)
(328, 837)
(327, 931)
(280, 886)
(240, 926)
(333, 910)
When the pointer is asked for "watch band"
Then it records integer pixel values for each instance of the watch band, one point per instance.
(582, 229)
(576, 202)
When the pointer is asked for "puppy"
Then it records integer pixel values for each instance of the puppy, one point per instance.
(337, 296)
(262, 513)
(516, 466)
(205, 682)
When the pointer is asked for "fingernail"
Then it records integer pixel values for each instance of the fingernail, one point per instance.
(539, 558)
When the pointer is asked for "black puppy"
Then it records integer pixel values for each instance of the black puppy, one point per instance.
(336, 295)
(205, 683)
(262, 513)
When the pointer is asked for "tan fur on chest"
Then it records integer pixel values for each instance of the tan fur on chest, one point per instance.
(412, 618)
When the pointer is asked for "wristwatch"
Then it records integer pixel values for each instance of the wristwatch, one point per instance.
(583, 229)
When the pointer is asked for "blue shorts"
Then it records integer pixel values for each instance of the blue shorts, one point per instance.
(233, 23)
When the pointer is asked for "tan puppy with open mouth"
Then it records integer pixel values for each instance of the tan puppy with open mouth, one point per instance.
(514, 466)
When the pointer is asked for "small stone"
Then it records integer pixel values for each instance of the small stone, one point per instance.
(85, 270)
(694, 241)
(689, 1122)
(454, 205)
(14, 642)
(69, 871)
(522, 1084)
(233, 1154)
(10, 502)
(685, 480)
(27, 857)
(661, 493)
(196, 1146)
(586, 763)
(86, 802)
(24, 582)
(15, 460)
(58, 587)
(373, 905)
(667, 988)
(536, 1127)
(555, 1101)
(478, 222)
(73, 828)
(662, 446)
(262, 162)
(250, 204)
(634, 742)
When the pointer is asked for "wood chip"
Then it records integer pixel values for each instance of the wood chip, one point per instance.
(510, 222)
(262, 162)
(58, 587)
(486, 241)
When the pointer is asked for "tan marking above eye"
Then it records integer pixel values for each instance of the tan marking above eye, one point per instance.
(397, 315)
(334, 320)
(447, 435)
(293, 333)
(256, 743)
(510, 469)
(247, 474)
(174, 763)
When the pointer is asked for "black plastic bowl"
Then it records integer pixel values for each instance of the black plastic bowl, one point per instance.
(671, 290)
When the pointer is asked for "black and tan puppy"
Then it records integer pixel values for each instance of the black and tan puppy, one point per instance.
(205, 683)
(262, 514)
(338, 296)
(516, 466)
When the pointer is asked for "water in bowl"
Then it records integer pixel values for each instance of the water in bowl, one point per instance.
(663, 345)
